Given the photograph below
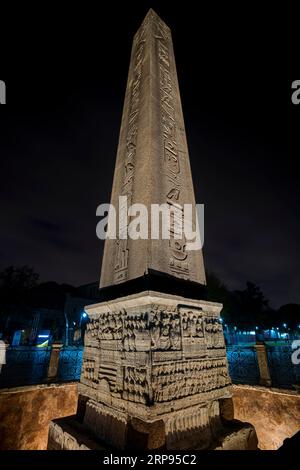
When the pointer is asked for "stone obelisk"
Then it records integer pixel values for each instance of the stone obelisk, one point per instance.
(154, 369)
(152, 165)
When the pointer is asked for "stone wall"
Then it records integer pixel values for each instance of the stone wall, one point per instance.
(275, 414)
(25, 414)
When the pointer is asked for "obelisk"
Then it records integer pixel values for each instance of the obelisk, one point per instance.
(152, 165)
(154, 368)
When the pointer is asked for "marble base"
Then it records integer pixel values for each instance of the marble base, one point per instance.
(129, 433)
(154, 371)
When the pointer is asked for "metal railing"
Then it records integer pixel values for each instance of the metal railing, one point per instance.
(247, 366)
(25, 366)
(284, 374)
(30, 365)
(70, 362)
(243, 365)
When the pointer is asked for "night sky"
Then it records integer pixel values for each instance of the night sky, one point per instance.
(66, 77)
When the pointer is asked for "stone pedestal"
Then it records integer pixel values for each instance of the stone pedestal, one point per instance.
(262, 359)
(154, 370)
(54, 361)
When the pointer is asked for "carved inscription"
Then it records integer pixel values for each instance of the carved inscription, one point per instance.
(122, 251)
(178, 255)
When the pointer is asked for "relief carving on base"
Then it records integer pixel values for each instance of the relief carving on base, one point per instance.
(105, 423)
(155, 354)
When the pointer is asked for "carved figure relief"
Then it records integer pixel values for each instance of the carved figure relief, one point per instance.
(124, 343)
(136, 387)
(192, 324)
(214, 333)
(165, 330)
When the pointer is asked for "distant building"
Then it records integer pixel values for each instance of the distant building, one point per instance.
(75, 316)
(62, 319)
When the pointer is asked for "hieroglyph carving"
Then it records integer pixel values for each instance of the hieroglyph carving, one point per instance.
(122, 251)
(171, 153)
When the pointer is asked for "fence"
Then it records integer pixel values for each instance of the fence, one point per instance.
(253, 365)
(30, 365)
(25, 365)
(284, 374)
(265, 365)
(243, 365)
(69, 366)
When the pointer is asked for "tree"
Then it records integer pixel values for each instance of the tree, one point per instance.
(290, 315)
(250, 308)
(16, 284)
(218, 292)
(18, 278)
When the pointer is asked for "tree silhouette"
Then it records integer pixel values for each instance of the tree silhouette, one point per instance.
(245, 309)
(218, 292)
(16, 284)
(290, 315)
(250, 308)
